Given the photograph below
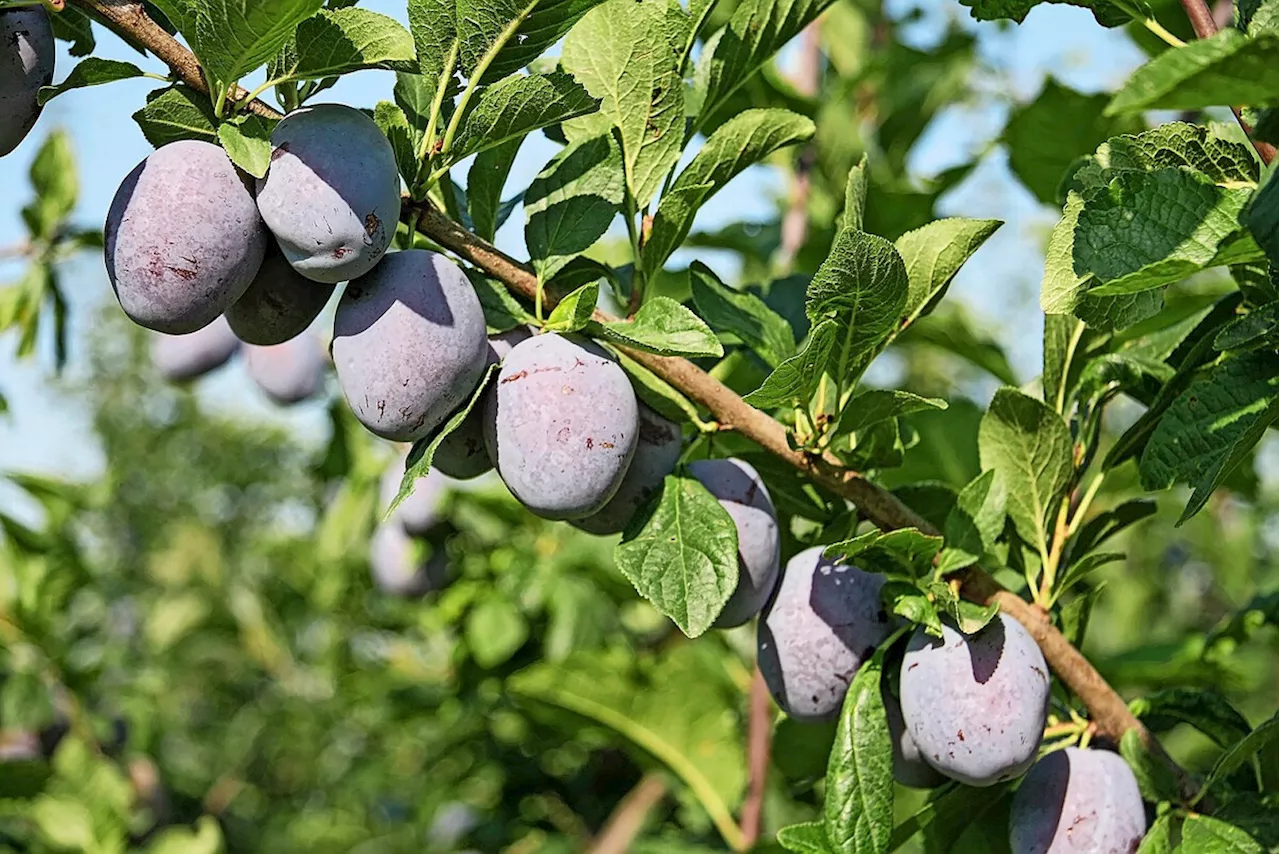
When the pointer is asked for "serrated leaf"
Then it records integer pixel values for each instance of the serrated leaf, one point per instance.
(878, 404)
(681, 553)
(512, 33)
(502, 311)
(745, 139)
(1155, 777)
(756, 31)
(1256, 326)
(858, 807)
(574, 311)
(1225, 69)
(620, 53)
(934, 254)
(93, 71)
(908, 601)
(948, 813)
(903, 549)
(571, 202)
(1107, 524)
(657, 393)
(72, 25)
(233, 37)
(394, 124)
(247, 142)
(1214, 836)
(742, 314)
(1029, 447)
(974, 523)
(418, 462)
(517, 106)
(339, 41)
(1205, 710)
(795, 379)
(176, 113)
(485, 181)
(1176, 144)
(1106, 13)
(807, 838)
(662, 326)
(852, 215)
(1242, 751)
(1263, 218)
(1212, 427)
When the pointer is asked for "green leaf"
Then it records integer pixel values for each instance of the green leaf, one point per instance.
(518, 105)
(934, 254)
(340, 41)
(858, 807)
(433, 24)
(74, 26)
(1207, 711)
(1225, 69)
(878, 404)
(571, 202)
(1147, 230)
(807, 838)
(1212, 427)
(233, 37)
(756, 31)
(952, 331)
(93, 71)
(1029, 447)
(620, 53)
(1046, 136)
(485, 180)
(53, 177)
(742, 314)
(853, 213)
(1106, 525)
(205, 839)
(502, 311)
(574, 311)
(1076, 571)
(662, 326)
(1242, 751)
(418, 462)
(64, 823)
(1263, 219)
(1202, 833)
(512, 32)
(1163, 836)
(247, 141)
(1250, 330)
(1176, 144)
(495, 629)
(903, 549)
(1155, 777)
(657, 394)
(974, 523)
(176, 113)
(948, 813)
(745, 139)
(394, 124)
(794, 381)
(681, 553)
(1106, 13)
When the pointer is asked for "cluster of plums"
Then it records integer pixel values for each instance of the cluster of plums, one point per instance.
(26, 64)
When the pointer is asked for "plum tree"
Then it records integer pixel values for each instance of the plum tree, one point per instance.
(824, 621)
(186, 357)
(561, 426)
(409, 344)
(279, 304)
(287, 373)
(183, 238)
(420, 512)
(1076, 800)
(331, 196)
(397, 566)
(909, 767)
(657, 451)
(976, 705)
(742, 493)
(26, 64)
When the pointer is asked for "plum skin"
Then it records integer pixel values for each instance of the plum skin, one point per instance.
(657, 452)
(562, 426)
(420, 512)
(810, 643)
(743, 495)
(179, 358)
(976, 705)
(27, 56)
(183, 238)
(1076, 800)
(290, 372)
(396, 569)
(331, 195)
(409, 344)
(278, 305)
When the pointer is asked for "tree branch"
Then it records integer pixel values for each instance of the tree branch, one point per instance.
(759, 733)
(1204, 25)
(1107, 709)
(627, 819)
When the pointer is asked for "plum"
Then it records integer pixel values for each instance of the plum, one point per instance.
(290, 372)
(1075, 801)
(909, 767)
(657, 451)
(824, 621)
(331, 196)
(409, 344)
(183, 238)
(976, 705)
(279, 304)
(742, 493)
(26, 63)
(397, 565)
(420, 512)
(562, 426)
(186, 357)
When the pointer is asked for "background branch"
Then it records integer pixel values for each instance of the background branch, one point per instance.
(1107, 709)
(759, 735)
(627, 819)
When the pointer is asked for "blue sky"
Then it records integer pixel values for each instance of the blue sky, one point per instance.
(47, 431)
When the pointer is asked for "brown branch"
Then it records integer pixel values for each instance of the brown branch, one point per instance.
(627, 819)
(1204, 25)
(884, 509)
(795, 223)
(759, 733)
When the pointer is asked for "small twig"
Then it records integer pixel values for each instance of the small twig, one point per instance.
(627, 819)
(795, 222)
(759, 735)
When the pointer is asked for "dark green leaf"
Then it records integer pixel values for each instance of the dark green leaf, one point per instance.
(1163, 836)
(934, 254)
(1243, 751)
(93, 71)
(858, 807)
(1106, 13)
(512, 33)
(340, 41)
(877, 404)
(1155, 778)
(1225, 69)
(1202, 833)
(807, 838)
(233, 37)
(1205, 710)
(1262, 219)
(485, 180)
(394, 124)
(662, 326)
(518, 105)
(974, 523)
(794, 380)
(174, 114)
(742, 314)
